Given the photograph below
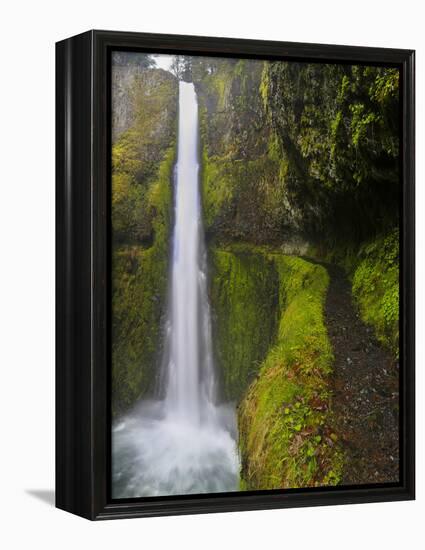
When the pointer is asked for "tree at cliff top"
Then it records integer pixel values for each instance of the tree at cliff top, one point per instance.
(132, 59)
(181, 67)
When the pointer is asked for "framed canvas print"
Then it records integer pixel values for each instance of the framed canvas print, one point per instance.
(235, 275)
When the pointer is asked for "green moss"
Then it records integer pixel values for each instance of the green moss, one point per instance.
(138, 152)
(376, 288)
(160, 200)
(216, 189)
(143, 156)
(243, 200)
(243, 298)
(303, 288)
(139, 281)
(337, 128)
(269, 331)
(243, 179)
(285, 434)
(137, 295)
(373, 269)
(345, 256)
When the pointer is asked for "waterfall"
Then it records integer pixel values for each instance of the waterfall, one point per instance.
(186, 442)
(190, 372)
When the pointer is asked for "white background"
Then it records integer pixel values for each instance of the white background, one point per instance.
(28, 33)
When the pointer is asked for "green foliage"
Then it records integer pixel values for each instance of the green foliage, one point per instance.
(139, 286)
(285, 424)
(338, 129)
(243, 178)
(298, 148)
(160, 200)
(254, 211)
(376, 287)
(216, 190)
(138, 152)
(285, 433)
(181, 67)
(232, 123)
(243, 298)
(373, 269)
(143, 157)
(303, 288)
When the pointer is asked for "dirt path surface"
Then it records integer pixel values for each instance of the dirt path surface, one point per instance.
(366, 390)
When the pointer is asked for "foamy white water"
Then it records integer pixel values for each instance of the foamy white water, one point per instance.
(184, 443)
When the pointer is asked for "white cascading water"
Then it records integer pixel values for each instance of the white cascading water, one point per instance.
(190, 382)
(185, 443)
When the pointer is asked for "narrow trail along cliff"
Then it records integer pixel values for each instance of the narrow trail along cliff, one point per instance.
(365, 384)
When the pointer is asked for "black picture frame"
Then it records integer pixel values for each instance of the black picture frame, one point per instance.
(83, 273)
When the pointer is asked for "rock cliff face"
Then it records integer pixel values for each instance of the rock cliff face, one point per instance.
(286, 434)
(297, 159)
(144, 142)
(298, 150)
(127, 67)
(146, 128)
(244, 299)
(243, 177)
(337, 131)
(123, 104)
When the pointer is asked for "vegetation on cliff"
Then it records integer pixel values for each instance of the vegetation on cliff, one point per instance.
(376, 288)
(143, 157)
(297, 157)
(341, 145)
(139, 150)
(138, 300)
(373, 271)
(244, 295)
(285, 429)
(337, 128)
(243, 196)
(305, 153)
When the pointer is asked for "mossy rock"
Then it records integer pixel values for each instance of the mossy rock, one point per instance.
(373, 267)
(244, 297)
(376, 288)
(139, 296)
(285, 422)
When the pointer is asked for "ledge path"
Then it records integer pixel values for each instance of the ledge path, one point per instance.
(366, 390)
